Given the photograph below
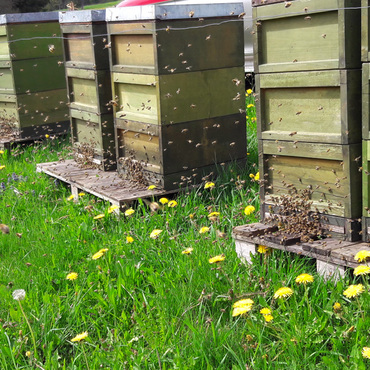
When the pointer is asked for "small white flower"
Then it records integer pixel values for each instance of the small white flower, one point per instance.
(19, 294)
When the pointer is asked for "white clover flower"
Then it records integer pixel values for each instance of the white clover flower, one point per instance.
(19, 294)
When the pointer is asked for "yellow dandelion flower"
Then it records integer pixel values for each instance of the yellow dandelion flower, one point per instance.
(129, 212)
(250, 105)
(213, 214)
(72, 276)
(249, 210)
(98, 255)
(241, 310)
(257, 177)
(104, 250)
(354, 290)
(249, 91)
(2, 167)
(187, 250)
(2, 152)
(243, 302)
(361, 270)
(263, 249)
(304, 279)
(204, 229)
(283, 292)
(268, 318)
(129, 239)
(217, 259)
(102, 215)
(81, 194)
(71, 197)
(366, 352)
(80, 337)
(155, 233)
(163, 201)
(251, 175)
(337, 307)
(47, 136)
(191, 216)
(362, 256)
(112, 208)
(265, 311)
(28, 353)
(172, 203)
(209, 185)
(151, 187)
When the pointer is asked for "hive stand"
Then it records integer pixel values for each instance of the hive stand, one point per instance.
(333, 256)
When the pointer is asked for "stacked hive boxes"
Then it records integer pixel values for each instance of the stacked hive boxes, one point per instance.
(89, 86)
(178, 84)
(32, 78)
(309, 106)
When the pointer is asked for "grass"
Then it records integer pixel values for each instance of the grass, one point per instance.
(145, 304)
(101, 6)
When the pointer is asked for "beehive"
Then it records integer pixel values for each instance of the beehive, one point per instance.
(178, 84)
(32, 77)
(312, 106)
(365, 29)
(304, 35)
(89, 86)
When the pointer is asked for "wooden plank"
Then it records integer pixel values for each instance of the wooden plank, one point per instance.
(6, 81)
(366, 101)
(365, 40)
(4, 47)
(80, 73)
(325, 246)
(348, 253)
(255, 229)
(78, 47)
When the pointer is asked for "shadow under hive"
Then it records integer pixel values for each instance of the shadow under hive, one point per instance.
(32, 77)
(89, 87)
(309, 107)
(178, 84)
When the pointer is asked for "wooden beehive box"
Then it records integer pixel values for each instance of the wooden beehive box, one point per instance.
(303, 35)
(32, 78)
(89, 86)
(177, 74)
(312, 106)
(365, 29)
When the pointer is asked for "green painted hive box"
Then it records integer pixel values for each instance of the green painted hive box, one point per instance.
(178, 86)
(32, 77)
(89, 86)
(332, 173)
(313, 106)
(365, 29)
(304, 35)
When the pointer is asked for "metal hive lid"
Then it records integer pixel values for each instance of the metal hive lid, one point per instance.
(167, 11)
(28, 17)
(82, 16)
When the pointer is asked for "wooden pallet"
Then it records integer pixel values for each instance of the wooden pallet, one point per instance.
(106, 185)
(332, 256)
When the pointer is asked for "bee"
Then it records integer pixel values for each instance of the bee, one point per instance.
(4, 228)
(191, 14)
(51, 48)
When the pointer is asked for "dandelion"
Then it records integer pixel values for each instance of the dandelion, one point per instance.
(213, 214)
(366, 352)
(265, 311)
(217, 259)
(251, 175)
(2, 152)
(304, 279)
(268, 318)
(361, 270)
(19, 294)
(129, 212)
(249, 91)
(354, 291)
(250, 105)
(80, 337)
(163, 201)
(71, 197)
(28, 354)
(204, 230)
(263, 249)
(187, 250)
(129, 239)
(191, 216)
(112, 208)
(242, 306)
(72, 276)
(102, 215)
(257, 177)
(243, 302)
(362, 256)
(151, 187)
(337, 307)
(99, 254)
(249, 210)
(81, 194)
(283, 292)
(47, 136)
(2, 167)
(209, 185)
(155, 233)
(172, 203)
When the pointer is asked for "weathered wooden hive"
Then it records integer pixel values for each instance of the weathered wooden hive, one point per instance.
(32, 78)
(89, 86)
(308, 59)
(178, 84)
